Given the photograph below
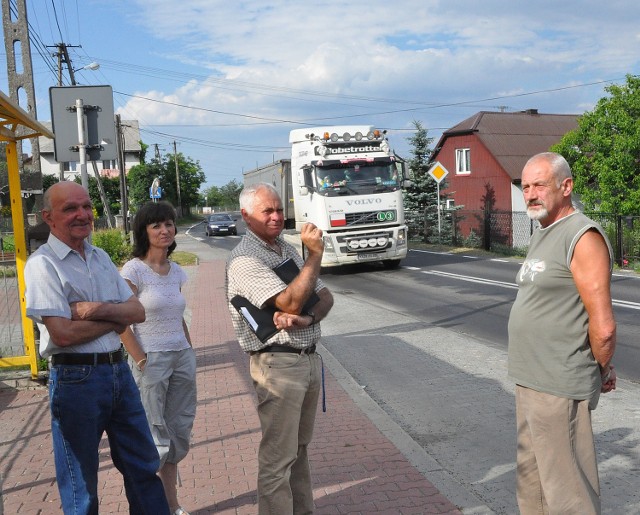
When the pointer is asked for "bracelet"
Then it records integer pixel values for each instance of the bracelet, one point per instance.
(143, 360)
(605, 378)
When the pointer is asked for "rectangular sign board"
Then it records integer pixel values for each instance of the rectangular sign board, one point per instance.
(99, 122)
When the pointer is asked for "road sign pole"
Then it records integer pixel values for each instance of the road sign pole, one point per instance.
(439, 225)
(82, 147)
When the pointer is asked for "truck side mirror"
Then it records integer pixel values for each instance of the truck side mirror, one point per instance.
(308, 180)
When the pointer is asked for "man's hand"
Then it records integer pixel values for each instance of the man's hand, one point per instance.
(311, 238)
(83, 310)
(284, 320)
(609, 381)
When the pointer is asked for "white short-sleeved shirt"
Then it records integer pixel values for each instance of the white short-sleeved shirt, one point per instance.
(57, 276)
(163, 303)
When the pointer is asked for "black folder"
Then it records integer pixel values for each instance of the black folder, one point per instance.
(287, 271)
(261, 320)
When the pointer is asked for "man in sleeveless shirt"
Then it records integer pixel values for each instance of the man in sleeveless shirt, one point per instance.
(562, 336)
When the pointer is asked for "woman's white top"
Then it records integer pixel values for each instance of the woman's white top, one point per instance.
(163, 303)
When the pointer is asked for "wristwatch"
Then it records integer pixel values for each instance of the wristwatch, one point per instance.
(313, 317)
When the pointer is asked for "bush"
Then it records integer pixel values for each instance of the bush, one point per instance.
(114, 243)
(8, 243)
(473, 241)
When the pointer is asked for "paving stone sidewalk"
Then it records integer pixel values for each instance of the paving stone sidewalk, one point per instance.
(356, 469)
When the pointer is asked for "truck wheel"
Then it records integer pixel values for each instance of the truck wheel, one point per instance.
(390, 264)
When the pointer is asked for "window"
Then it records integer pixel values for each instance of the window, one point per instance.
(109, 165)
(463, 160)
(69, 166)
(451, 203)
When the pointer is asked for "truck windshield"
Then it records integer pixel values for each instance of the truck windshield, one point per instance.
(356, 178)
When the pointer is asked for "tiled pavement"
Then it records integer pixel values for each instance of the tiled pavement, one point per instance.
(356, 469)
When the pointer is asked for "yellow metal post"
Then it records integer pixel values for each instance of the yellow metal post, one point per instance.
(12, 118)
(30, 357)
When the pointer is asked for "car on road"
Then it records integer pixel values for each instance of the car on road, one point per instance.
(221, 223)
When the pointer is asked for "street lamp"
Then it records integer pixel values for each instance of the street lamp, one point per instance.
(91, 66)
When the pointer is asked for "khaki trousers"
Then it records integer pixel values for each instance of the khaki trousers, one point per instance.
(557, 472)
(287, 386)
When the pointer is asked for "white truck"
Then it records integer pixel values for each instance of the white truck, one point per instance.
(347, 181)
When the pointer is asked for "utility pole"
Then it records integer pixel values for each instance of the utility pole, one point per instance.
(124, 198)
(17, 32)
(175, 158)
(63, 58)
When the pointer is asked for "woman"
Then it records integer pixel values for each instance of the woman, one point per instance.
(160, 352)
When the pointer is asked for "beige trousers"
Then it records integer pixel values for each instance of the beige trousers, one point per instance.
(288, 386)
(557, 472)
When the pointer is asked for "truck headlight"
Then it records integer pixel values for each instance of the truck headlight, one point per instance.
(328, 244)
(402, 238)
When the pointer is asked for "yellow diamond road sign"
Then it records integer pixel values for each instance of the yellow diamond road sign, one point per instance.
(438, 172)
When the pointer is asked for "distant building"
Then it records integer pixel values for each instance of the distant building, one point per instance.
(132, 153)
(487, 152)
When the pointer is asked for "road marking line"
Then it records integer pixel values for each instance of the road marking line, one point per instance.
(619, 303)
(471, 279)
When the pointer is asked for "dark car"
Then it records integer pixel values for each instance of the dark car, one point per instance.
(221, 223)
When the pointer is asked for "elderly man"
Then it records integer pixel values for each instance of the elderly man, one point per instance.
(81, 304)
(286, 370)
(562, 336)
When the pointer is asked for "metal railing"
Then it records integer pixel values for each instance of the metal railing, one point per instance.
(509, 231)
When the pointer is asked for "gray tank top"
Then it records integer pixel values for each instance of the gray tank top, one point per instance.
(548, 327)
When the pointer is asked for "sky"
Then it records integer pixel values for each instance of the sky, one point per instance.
(228, 80)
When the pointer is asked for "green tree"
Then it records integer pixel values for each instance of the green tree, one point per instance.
(139, 180)
(223, 197)
(421, 197)
(48, 181)
(212, 197)
(231, 193)
(111, 186)
(604, 151)
(191, 176)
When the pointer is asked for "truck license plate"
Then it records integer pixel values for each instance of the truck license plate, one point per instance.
(366, 257)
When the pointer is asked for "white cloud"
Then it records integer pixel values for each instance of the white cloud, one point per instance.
(350, 61)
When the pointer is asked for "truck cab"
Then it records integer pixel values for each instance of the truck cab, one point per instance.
(348, 182)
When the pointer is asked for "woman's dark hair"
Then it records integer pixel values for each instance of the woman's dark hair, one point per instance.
(151, 213)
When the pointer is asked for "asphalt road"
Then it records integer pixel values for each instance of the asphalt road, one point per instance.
(426, 345)
(428, 342)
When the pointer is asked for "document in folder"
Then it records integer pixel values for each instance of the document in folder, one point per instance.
(260, 320)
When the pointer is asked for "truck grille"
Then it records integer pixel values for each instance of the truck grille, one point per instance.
(371, 217)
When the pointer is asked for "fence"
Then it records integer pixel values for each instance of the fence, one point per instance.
(11, 336)
(509, 231)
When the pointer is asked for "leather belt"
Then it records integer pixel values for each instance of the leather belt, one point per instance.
(96, 358)
(285, 348)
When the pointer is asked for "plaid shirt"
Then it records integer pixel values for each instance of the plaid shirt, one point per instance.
(250, 274)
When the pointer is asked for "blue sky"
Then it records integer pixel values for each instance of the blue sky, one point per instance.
(228, 80)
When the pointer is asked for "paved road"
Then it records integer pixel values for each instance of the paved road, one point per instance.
(449, 393)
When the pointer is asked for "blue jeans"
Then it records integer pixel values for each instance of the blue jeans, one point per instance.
(87, 401)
